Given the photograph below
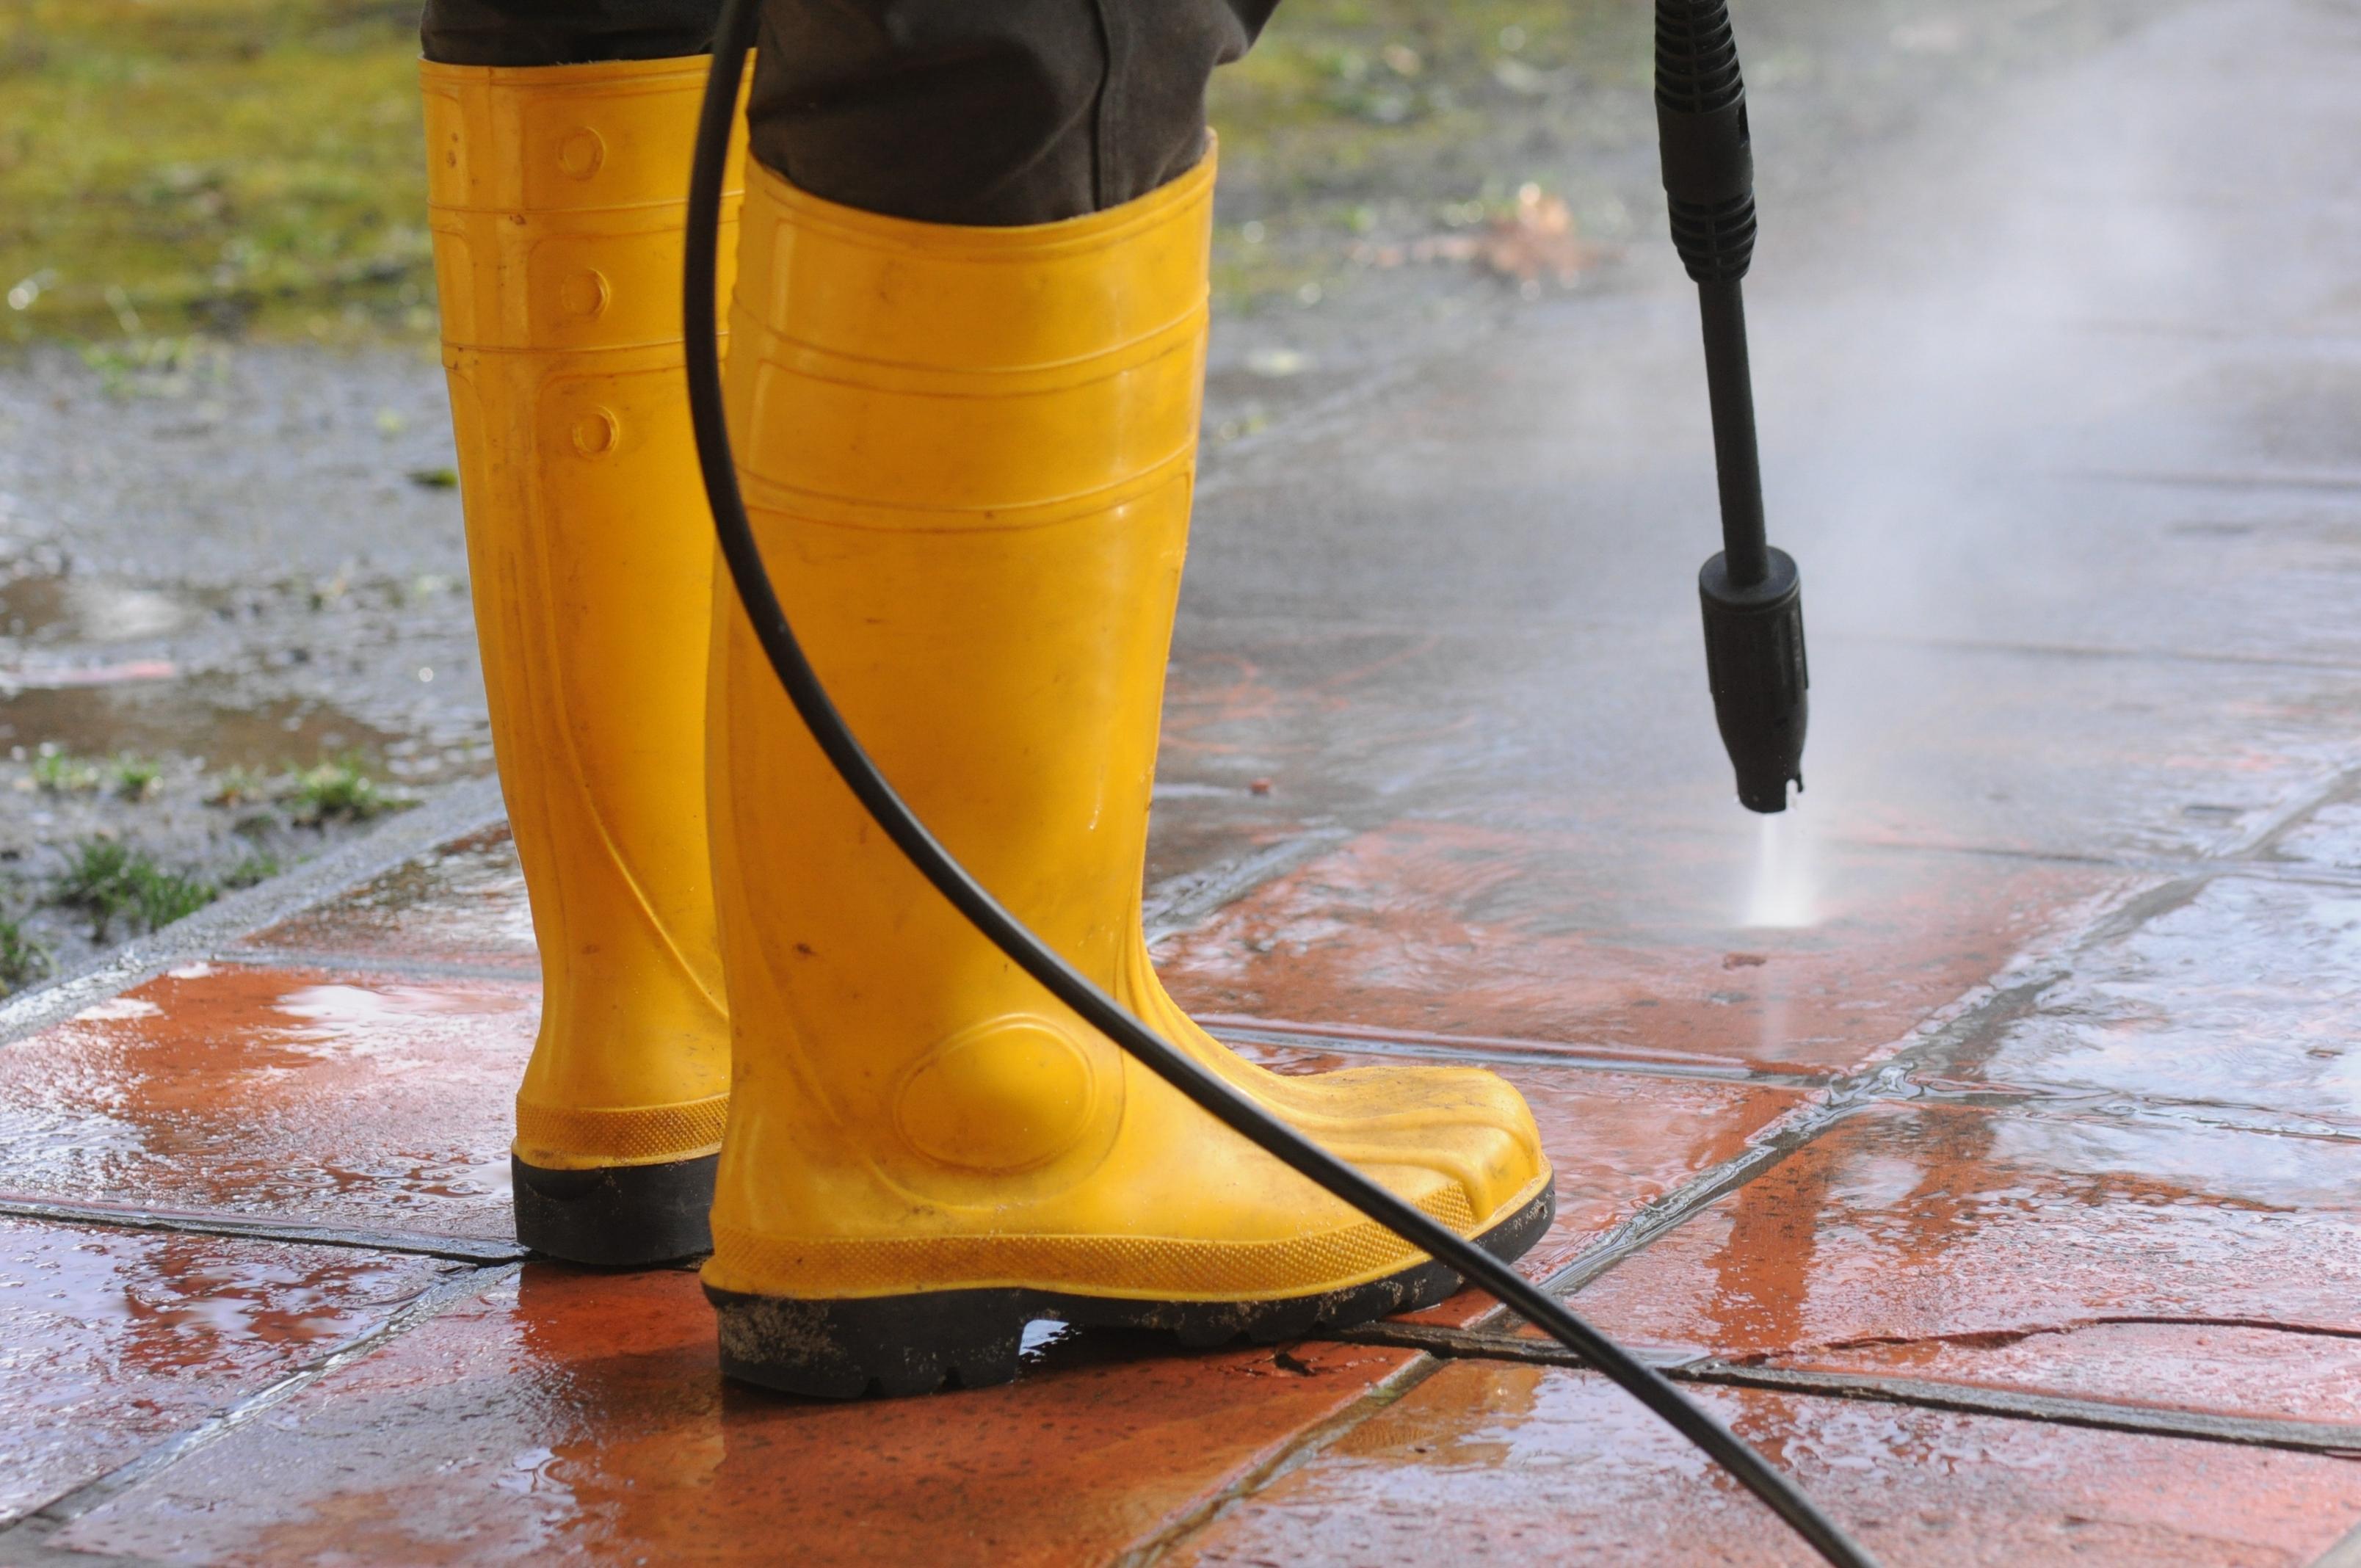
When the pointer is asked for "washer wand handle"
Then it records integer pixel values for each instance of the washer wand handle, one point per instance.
(1750, 592)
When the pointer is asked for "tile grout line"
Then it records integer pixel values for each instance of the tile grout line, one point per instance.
(1181, 904)
(245, 1227)
(2153, 1421)
(40, 1524)
(377, 965)
(2054, 1409)
(1300, 1448)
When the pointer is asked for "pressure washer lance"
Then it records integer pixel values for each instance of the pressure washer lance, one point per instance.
(734, 40)
(1753, 600)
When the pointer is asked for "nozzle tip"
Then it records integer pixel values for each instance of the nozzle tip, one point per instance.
(1754, 661)
(1767, 796)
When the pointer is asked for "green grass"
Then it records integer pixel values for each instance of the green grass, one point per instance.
(136, 778)
(339, 791)
(108, 882)
(58, 774)
(1306, 98)
(256, 868)
(170, 165)
(23, 958)
(238, 786)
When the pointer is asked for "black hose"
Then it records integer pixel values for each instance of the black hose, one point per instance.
(733, 38)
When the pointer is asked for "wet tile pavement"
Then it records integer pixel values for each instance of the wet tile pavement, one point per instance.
(1915, 1237)
(576, 1416)
(1528, 1464)
(113, 1341)
(1982, 1140)
(358, 1101)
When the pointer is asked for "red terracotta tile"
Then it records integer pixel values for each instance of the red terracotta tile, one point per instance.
(2239, 999)
(1618, 1140)
(1552, 936)
(577, 1417)
(1488, 1462)
(465, 904)
(2131, 1257)
(280, 1094)
(112, 1341)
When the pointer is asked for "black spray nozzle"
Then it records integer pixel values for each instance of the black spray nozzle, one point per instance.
(1754, 662)
(1701, 133)
(1753, 611)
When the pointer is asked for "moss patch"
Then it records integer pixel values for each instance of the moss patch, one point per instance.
(214, 164)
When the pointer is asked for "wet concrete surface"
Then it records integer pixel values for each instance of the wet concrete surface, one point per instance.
(230, 572)
(465, 906)
(2230, 1005)
(1999, 1093)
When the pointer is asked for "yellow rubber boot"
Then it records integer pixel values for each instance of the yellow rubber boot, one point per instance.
(559, 202)
(968, 454)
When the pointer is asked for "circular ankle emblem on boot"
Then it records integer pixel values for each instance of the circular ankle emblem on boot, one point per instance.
(1004, 1095)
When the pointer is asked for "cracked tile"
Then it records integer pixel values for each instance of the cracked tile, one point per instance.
(2184, 1266)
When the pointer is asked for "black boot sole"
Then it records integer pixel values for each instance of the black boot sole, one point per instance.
(914, 1344)
(618, 1216)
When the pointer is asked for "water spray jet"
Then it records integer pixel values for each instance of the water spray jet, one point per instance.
(1750, 592)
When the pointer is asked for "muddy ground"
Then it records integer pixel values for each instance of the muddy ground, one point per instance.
(234, 619)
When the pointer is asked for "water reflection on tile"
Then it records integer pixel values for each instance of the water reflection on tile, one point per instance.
(295, 1095)
(1565, 938)
(112, 1341)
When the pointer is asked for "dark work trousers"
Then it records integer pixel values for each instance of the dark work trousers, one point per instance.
(985, 111)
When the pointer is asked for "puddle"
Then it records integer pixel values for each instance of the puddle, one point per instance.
(43, 609)
(180, 719)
